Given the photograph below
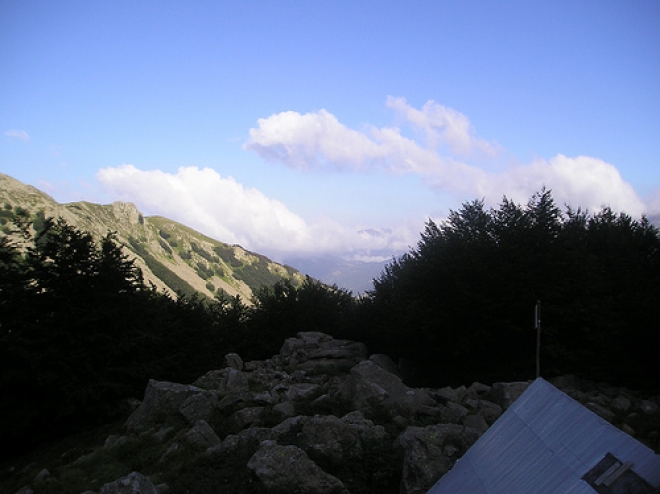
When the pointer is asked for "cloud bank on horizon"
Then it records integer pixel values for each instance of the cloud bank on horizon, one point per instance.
(434, 143)
(224, 209)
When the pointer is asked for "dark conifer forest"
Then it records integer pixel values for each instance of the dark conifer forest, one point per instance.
(80, 331)
(460, 306)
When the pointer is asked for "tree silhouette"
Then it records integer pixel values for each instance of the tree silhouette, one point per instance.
(460, 305)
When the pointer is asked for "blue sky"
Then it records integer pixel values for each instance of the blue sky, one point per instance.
(308, 127)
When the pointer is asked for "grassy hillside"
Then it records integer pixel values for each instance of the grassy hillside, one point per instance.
(172, 256)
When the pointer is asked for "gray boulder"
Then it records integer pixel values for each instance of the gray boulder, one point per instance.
(297, 349)
(489, 411)
(476, 422)
(288, 469)
(452, 413)
(199, 438)
(478, 390)
(133, 483)
(296, 392)
(315, 353)
(42, 475)
(334, 439)
(161, 399)
(236, 380)
(234, 361)
(340, 349)
(601, 411)
(247, 416)
(199, 406)
(233, 399)
(504, 394)
(286, 409)
(245, 443)
(292, 348)
(430, 452)
(313, 338)
(211, 380)
(370, 385)
(648, 407)
(446, 394)
(620, 404)
(384, 362)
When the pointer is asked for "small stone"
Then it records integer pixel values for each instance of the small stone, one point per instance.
(601, 411)
(648, 407)
(476, 422)
(628, 430)
(133, 483)
(163, 432)
(44, 474)
(620, 404)
(504, 394)
(480, 389)
(234, 361)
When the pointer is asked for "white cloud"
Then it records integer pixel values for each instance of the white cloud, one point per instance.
(227, 211)
(18, 134)
(319, 140)
(444, 125)
(311, 140)
(582, 181)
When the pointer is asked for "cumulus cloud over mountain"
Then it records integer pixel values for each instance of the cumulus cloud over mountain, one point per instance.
(447, 157)
(224, 209)
(444, 152)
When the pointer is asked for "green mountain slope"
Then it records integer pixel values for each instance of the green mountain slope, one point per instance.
(172, 256)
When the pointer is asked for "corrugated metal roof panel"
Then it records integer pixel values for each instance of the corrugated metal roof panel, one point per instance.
(544, 443)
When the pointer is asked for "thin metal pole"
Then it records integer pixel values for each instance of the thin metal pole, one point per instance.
(537, 324)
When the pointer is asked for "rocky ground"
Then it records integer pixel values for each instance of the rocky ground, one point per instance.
(322, 416)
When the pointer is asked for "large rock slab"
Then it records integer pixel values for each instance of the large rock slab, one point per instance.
(199, 438)
(288, 469)
(430, 452)
(319, 353)
(161, 399)
(504, 394)
(199, 406)
(369, 385)
(334, 438)
(385, 362)
(340, 349)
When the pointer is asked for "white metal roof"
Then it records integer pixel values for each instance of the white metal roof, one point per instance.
(544, 443)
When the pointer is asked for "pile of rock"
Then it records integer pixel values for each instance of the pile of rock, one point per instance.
(324, 401)
(619, 406)
(319, 370)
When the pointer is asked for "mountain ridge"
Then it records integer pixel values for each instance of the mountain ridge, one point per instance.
(172, 256)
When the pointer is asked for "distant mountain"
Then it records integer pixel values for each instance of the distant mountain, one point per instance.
(355, 276)
(172, 256)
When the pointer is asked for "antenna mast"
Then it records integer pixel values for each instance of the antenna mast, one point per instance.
(537, 326)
